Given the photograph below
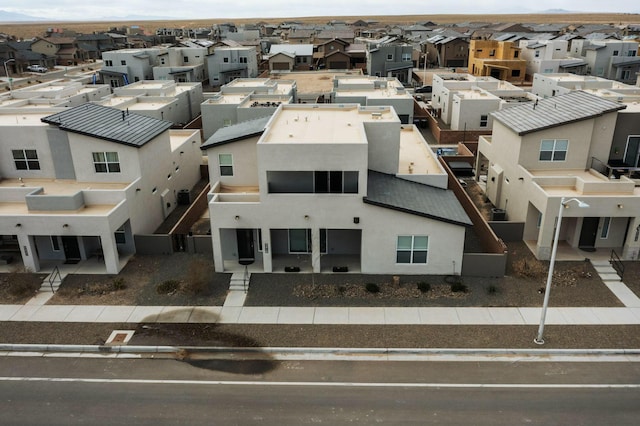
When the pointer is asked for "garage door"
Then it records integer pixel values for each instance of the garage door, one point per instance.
(338, 65)
(281, 66)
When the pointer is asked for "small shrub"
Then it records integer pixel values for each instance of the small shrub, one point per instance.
(458, 287)
(168, 287)
(372, 287)
(424, 286)
(341, 289)
(492, 289)
(530, 268)
(118, 284)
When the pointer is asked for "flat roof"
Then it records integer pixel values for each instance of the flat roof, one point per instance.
(22, 119)
(61, 186)
(313, 81)
(416, 157)
(324, 123)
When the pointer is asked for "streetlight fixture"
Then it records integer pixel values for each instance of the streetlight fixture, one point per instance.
(6, 72)
(539, 340)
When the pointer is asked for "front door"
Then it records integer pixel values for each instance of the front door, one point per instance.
(246, 254)
(588, 232)
(71, 248)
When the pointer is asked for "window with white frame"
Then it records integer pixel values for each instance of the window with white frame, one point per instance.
(108, 63)
(26, 159)
(484, 119)
(632, 53)
(226, 164)
(390, 57)
(412, 249)
(604, 232)
(123, 62)
(553, 149)
(626, 74)
(406, 57)
(106, 162)
(615, 53)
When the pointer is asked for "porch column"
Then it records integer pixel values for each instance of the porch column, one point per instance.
(28, 251)
(267, 250)
(218, 262)
(110, 253)
(315, 250)
(546, 232)
(631, 248)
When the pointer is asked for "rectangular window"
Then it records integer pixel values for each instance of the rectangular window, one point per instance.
(537, 54)
(553, 149)
(120, 236)
(626, 75)
(515, 73)
(492, 52)
(106, 162)
(631, 53)
(390, 57)
(26, 159)
(615, 53)
(186, 59)
(55, 244)
(123, 62)
(539, 222)
(260, 249)
(225, 60)
(335, 182)
(604, 233)
(484, 119)
(226, 164)
(108, 63)
(161, 61)
(324, 240)
(516, 53)
(243, 60)
(406, 57)
(299, 240)
(412, 249)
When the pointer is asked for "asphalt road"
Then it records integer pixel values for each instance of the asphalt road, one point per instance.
(37, 390)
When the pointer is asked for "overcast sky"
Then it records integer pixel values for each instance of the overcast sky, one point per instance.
(202, 9)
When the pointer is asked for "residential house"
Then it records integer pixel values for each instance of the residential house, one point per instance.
(126, 66)
(226, 64)
(498, 59)
(318, 186)
(243, 100)
(95, 44)
(52, 95)
(446, 51)
(291, 57)
(182, 64)
(332, 55)
(541, 152)
(83, 182)
(374, 91)
(546, 85)
(390, 57)
(65, 49)
(611, 59)
(550, 56)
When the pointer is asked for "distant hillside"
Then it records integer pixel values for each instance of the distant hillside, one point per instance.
(17, 17)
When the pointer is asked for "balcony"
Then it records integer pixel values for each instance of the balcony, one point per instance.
(234, 194)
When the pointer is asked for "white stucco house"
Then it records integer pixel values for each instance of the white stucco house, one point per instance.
(331, 187)
(82, 182)
(559, 147)
(226, 64)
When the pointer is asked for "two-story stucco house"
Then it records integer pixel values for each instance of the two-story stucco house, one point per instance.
(226, 64)
(331, 187)
(543, 151)
(390, 57)
(126, 66)
(82, 182)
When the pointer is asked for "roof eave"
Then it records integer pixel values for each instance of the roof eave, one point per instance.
(414, 212)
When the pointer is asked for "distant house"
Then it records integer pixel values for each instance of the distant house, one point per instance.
(226, 64)
(65, 49)
(390, 57)
(290, 57)
(498, 59)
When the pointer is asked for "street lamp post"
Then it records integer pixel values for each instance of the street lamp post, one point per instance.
(563, 204)
(424, 72)
(6, 72)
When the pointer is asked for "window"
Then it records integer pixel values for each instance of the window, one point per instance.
(553, 149)
(537, 55)
(492, 52)
(539, 222)
(390, 57)
(484, 118)
(108, 63)
(604, 232)
(515, 73)
(626, 75)
(226, 164)
(26, 159)
(243, 60)
(335, 182)
(123, 62)
(120, 236)
(55, 244)
(412, 249)
(406, 57)
(185, 59)
(106, 162)
(299, 240)
(631, 53)
(225, 60)
(516, 53)
(615, 53)
(161, 61)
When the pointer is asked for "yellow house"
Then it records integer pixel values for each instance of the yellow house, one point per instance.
(498, 59)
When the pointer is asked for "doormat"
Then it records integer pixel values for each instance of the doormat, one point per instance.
(71, 261)
(588, 249)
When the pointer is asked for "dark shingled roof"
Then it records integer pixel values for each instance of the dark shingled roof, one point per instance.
(242, 130)
(388, 191)
(555, 111)
(110, 124)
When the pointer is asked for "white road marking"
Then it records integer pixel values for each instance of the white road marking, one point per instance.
(327, 384)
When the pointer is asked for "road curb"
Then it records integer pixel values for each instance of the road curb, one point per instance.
(124, 349)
